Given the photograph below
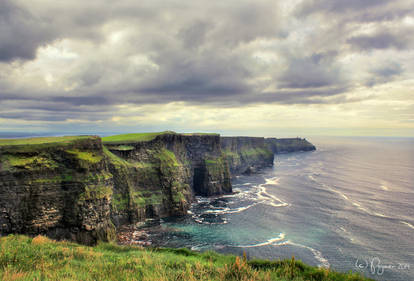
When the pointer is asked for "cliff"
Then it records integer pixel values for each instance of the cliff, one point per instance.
(287, 145)
(159, 177)
(82, 188)
(61, 187)
(75, 188)
(246, 154)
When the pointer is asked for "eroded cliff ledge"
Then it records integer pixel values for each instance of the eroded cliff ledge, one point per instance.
(82, 188)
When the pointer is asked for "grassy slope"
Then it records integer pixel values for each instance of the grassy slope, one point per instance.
(41, 140)
(134, 137)
(24, 258)
(130, 138)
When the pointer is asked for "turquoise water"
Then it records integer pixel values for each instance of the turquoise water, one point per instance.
(349, 206)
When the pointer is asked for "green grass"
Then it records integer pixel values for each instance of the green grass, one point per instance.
(96, 192)
(24, 258)
(28, 162)
(122, 147)
(85, 155)
(42, 140)
(200, 134)
(167, 157)
(129, 138)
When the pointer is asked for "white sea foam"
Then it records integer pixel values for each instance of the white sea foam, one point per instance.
(229, 210)
(384, 187)
(279, 241)
(274, 181)
(408, 224)
(357, 204)
(271, 241)
(323, 262)
(269, 199)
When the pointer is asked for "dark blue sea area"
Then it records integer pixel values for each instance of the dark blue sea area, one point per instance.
(349, 205)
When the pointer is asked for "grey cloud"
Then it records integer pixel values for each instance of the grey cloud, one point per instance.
(197, 52)
(337, 6)
(384, 73)
(381, 40)
(21, 32)
(194, 35)
(317, 70)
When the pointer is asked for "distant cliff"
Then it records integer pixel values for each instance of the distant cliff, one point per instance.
(246, 154)
(82, 188)
(287, 145)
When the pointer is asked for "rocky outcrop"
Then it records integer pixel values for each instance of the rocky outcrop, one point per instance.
(63, 190)
(246, 154)
(287, 145)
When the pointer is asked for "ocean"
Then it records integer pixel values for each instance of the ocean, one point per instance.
(349, 206)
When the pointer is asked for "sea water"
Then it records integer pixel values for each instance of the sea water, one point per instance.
(349, 205)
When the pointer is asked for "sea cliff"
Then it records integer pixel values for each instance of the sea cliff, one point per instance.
(246, 155)
(287, 145)
(83, 188)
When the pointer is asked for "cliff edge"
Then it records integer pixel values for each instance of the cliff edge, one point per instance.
(82, 188)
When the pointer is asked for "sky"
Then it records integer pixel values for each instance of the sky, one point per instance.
(236, 67)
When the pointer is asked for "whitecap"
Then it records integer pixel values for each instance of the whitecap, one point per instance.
(323, 262)
(274, 181)
(408, 224)
(229, 210)
(269, 199)
(271, 241)
(384, 187)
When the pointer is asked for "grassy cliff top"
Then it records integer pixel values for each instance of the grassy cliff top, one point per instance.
(39, 258)
(42, 140)
(134, 137)
(138, 137)
(200, 134)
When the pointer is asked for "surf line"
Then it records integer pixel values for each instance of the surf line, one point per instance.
(271, 241)
(267, 198)
(323, 262)
(408, 224)
(278, 241)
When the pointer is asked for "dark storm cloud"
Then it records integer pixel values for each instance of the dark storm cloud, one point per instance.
(21, 32)
(199, 52)
(337, 6)
(381, 40)
(317, 70)
(356, 10)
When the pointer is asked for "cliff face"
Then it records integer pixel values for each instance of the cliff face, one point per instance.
(78, 189)
(61, 189)
(160, 177)
(246, 154)
(287, 145)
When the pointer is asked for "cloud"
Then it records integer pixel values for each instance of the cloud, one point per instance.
(88, 60)
(381, 40)
(21, 32)
(384, 73)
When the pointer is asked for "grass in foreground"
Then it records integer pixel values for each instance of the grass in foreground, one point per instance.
(24, 258)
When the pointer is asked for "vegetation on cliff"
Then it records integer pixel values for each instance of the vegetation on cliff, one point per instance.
(42, 140)
(39, 258)
(289, 145)
(131, 138)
